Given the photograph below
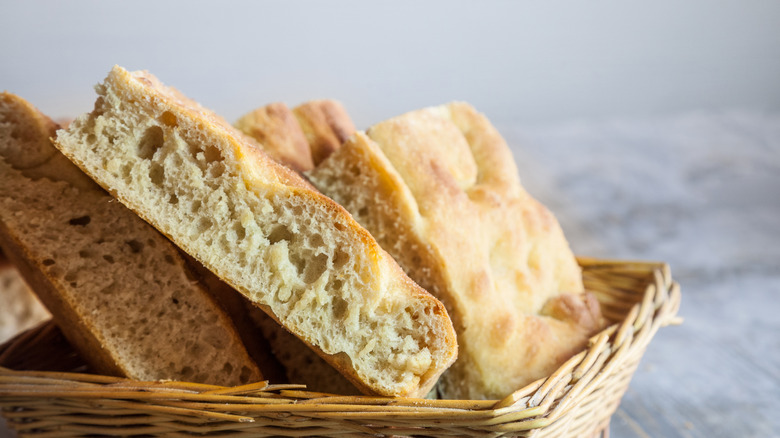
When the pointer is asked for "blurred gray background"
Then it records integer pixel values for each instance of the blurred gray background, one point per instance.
(530, 61)
(651, 129)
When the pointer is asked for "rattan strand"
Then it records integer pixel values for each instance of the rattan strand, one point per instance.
(575, 401)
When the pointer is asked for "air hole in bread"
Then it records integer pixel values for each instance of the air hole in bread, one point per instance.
(48, 262)
(204, 224)
(227, 368)
(80, 221)
(363, 212)
(86, 253)
(169, 119)
(70, 276)
(280, 233)
(299, 261)
(315, 267)
(212, 155)
(340, 258)
(195, 206)
(216, 170)
(135, 246)
(173, 199)
(126, 172)
(108, 258)
(316, 241)
(91, 138)
(239, 230)
(169, 259)
(151, 141)
(339, 306)
(157, 174)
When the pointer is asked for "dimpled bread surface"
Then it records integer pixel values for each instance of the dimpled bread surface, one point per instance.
(439, 190)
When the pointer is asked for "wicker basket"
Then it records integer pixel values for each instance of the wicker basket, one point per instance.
(575, 401)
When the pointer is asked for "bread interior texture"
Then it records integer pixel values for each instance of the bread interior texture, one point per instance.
(118, 289)
(264, 230)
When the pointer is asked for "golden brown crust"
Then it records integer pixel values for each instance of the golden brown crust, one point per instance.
(473, 236)
(275, 127)
(326, 126)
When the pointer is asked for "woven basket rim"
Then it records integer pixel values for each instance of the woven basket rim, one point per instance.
(540, 405)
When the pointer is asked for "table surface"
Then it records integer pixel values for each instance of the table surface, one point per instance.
(700, 191)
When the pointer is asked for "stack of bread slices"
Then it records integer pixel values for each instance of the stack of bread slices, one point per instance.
(389, 261)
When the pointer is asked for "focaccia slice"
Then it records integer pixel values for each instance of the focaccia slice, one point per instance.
(439, 190)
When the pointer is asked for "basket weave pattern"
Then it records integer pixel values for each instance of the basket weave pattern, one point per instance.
(577, 400)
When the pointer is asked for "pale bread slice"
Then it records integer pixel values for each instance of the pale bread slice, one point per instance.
(265, 231)
(325, 121)
(118, 289)
(20, 309)
(299, 363)
(282, 357)
(439, 191)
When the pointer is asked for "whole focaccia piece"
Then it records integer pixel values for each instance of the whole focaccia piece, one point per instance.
(264, 230)
(326, 125)
(276, 129)
(117, 289)
(299, 138)
(439, 190)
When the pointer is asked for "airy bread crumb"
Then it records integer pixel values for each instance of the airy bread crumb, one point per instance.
(265, 231)
(118, 289)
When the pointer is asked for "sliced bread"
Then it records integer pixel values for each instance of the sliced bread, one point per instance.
(117, 288)
(439, 191)
(20, 309)
(327, 125)
(264, 230)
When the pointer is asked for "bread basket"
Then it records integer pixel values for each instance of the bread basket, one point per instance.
(577, 400)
